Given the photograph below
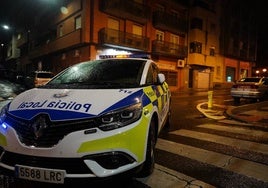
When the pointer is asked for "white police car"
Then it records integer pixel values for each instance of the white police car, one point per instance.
(94, 119)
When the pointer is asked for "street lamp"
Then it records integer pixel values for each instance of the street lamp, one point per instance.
(257, 73)
(5, 27)
(264, 71)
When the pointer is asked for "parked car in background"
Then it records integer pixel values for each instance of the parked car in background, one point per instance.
(250, 88)
(37, 78)
(95, 119)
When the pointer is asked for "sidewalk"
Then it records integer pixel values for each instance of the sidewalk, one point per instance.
(256, 113)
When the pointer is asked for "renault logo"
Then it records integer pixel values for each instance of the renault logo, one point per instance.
(39, 125)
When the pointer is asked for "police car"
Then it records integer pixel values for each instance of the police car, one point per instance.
(95, 119)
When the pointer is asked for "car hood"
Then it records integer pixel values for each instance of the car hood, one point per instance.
(72, 104)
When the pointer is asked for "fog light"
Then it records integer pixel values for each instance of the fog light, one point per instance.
(111, 160)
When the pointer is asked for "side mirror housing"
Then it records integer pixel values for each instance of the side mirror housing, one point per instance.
(161, 78)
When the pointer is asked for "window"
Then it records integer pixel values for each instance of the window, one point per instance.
(218, 70)
(212, 51)
(196, 47)
(159, 35)
(196, 23)
(137, 30)
(171, 77)
(113, 32)
(60, 31)
(78, 22)
(175, 39)
(152, 75)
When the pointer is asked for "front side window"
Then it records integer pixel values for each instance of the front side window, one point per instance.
(152, 75)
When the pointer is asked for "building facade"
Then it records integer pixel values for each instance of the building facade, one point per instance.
(185, 38)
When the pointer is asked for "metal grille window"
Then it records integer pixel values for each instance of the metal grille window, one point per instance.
(196, 47)
(171, 77)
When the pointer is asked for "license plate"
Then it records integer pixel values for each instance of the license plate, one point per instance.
(40, 174)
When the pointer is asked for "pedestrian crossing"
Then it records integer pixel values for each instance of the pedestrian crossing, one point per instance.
(236, 162)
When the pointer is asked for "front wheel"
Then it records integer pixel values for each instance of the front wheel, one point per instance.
(148, 165)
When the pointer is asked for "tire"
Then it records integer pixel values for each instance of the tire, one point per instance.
(148, 165)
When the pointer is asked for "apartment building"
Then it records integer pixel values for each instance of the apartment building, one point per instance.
(238, 40)
(181, 36)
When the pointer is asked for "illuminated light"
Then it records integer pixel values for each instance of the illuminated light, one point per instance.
(75, 68)
(6, 27)
(64, 10)
(3, 125)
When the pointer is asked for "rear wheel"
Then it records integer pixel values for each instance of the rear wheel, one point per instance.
(148, 165)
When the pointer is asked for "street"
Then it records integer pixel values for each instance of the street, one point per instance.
(195, 151)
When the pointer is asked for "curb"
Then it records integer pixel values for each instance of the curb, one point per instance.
(217, 113)
(234, 112)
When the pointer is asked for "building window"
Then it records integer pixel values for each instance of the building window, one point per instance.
(212, 51)
(78, 22)
(137, 30)
(218, 70)
(171, 77)
(159, 35)
(60, 31)
(196, 23)
(196, 47)
(175, 39)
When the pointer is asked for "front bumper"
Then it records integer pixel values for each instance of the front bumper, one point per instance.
(82, 154)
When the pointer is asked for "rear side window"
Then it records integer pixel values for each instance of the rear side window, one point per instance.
(250, 80)
(44, 75)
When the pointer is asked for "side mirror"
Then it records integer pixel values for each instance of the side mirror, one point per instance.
(161, 78)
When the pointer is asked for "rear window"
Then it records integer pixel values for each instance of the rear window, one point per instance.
(250, 80)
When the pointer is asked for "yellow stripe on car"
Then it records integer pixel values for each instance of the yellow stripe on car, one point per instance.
(133, 140)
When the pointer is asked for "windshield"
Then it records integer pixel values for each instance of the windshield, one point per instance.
(108, 73)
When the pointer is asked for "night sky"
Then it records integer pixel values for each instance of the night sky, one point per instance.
(20, 13)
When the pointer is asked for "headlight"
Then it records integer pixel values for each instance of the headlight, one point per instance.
(3, 113)
(120, 118)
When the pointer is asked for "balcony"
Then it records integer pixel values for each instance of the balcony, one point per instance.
(169, 49)
(169, 22)
(66, 41)
(126, 10)
(123, 40)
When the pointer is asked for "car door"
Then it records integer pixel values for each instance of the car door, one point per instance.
(162, 94)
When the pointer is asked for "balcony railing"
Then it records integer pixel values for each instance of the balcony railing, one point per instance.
(68, 40)
(169, 22)
(111, 37)
(126, 9)
(170, 49)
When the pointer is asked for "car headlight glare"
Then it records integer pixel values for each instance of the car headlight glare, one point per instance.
(121, 117)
